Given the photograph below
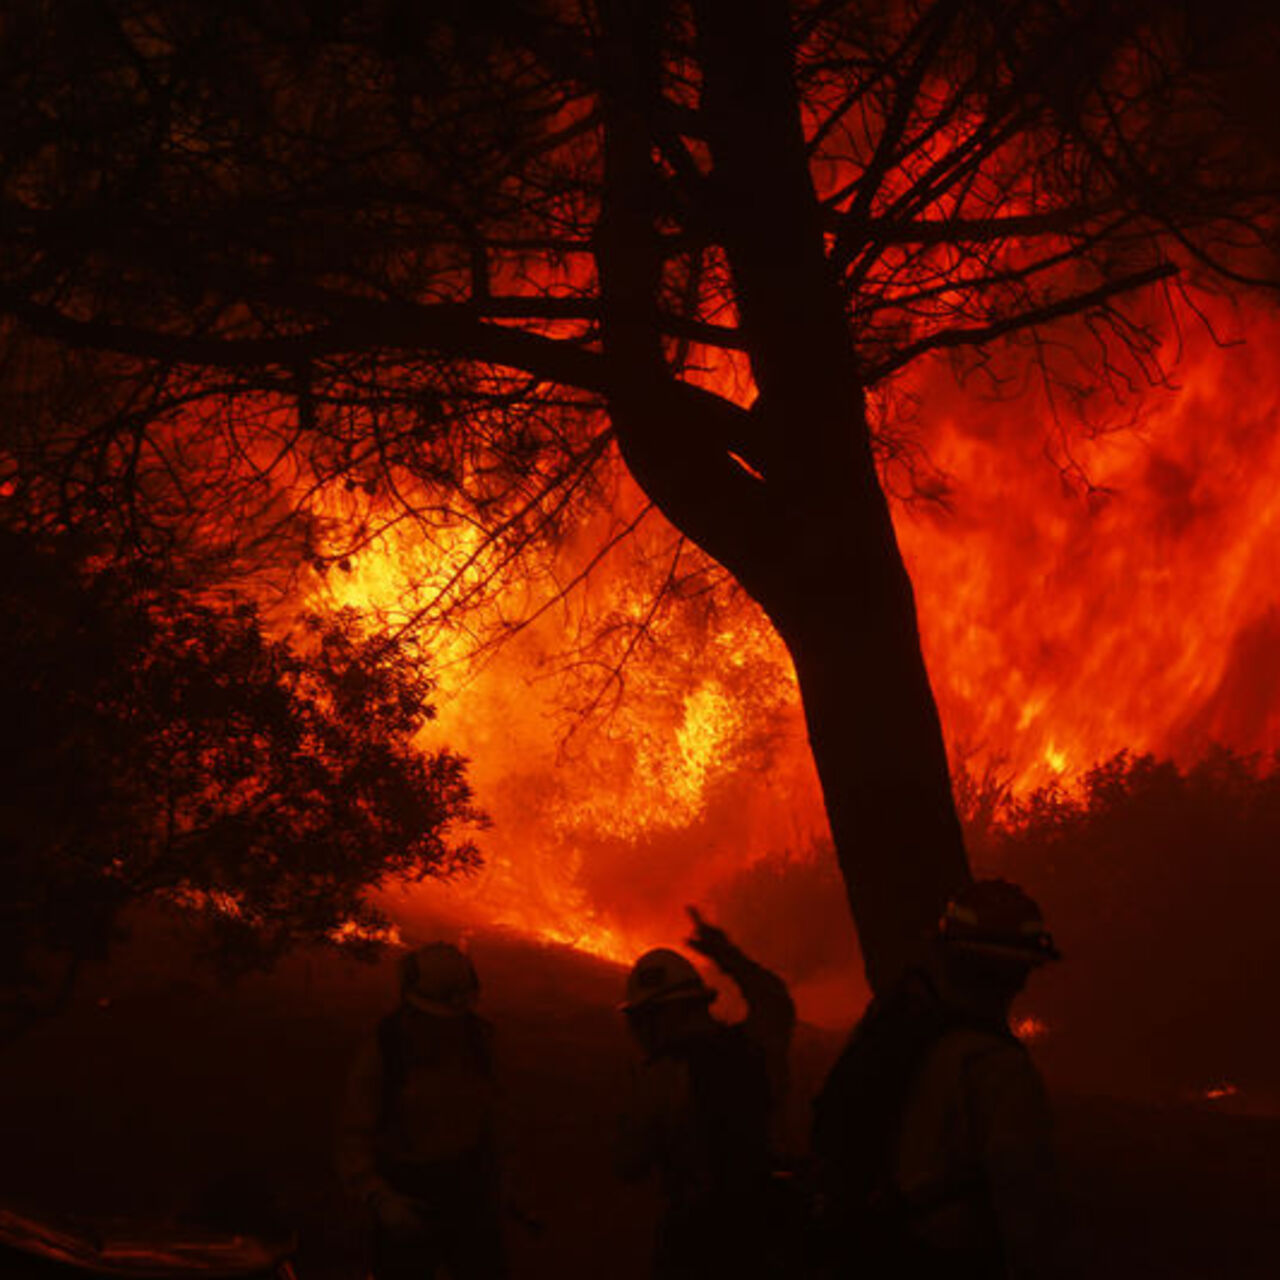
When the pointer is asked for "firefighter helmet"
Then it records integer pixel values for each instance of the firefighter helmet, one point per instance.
(996, 918)
(438, 978)
(662, 976)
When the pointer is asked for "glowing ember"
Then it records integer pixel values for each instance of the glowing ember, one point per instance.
(353, 931)
(1030, 1028)
(1218, 1091)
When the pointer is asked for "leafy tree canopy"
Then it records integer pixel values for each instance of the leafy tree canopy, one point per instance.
(160, 747)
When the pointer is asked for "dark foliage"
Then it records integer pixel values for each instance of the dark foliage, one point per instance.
(160, 746)
(1160, 883)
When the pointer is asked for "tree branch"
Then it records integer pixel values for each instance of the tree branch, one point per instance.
(978, 334)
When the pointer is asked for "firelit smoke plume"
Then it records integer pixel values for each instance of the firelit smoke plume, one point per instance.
(1084, 596)
(1078, 596)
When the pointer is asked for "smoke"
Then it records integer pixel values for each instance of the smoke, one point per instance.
(1082, 590)
(789, 910)
(1093, 591)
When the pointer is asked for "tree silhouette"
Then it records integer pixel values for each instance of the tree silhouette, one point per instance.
(1139, 868)
(455, 255)
(160, 748)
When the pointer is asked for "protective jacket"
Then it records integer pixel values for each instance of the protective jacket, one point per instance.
(416, 1144)
(700, 1116)
(934, 1137)
(421, 1092)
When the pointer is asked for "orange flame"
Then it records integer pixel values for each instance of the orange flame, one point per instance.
(1217, 1092)
(1029, 1028)
(1062, 621)
(1063, 624)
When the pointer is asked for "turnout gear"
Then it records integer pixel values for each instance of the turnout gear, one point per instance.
(700, 1116)
(416, 1140)
(443, 1215)
(867, 1217)
(933, 1133)
(702, 1108)
(435, 1087)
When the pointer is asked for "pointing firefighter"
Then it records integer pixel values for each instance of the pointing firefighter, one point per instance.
(416, 1142)
(933, 1131)
(702, 1107)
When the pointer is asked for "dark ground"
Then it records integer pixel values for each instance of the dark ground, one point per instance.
(160, 1091)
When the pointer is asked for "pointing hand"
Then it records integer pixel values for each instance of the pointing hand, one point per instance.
(707, 938)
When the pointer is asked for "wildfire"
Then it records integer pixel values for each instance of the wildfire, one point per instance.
(354, 931)
(1062, 621)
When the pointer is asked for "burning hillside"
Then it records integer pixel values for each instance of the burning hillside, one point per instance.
(513, 288)
(1106, 591)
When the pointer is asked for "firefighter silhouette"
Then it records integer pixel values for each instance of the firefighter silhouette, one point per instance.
(932, 1132)
(701, 1107)
(416, 1142)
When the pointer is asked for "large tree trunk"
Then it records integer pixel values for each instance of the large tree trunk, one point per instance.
(805, 528)
(848, 618)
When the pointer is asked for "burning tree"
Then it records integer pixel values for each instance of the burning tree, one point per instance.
(452, 257)
(162, 748)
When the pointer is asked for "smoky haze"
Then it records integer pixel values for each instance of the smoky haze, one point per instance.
(1105, 591)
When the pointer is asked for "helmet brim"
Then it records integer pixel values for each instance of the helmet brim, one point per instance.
(700, 994)
(1043, 953)
(440, 1008)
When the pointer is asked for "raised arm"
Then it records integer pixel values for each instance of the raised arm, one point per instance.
(771, 1013)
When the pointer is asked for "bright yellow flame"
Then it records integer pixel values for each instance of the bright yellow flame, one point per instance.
(351, 931)
(1060, 626)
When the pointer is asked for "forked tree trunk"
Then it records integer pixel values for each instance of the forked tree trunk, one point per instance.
(849, 623)
(805, 528)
